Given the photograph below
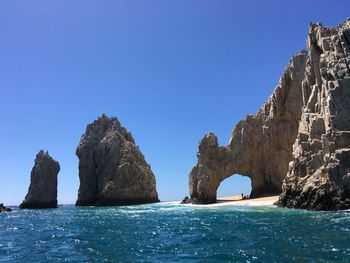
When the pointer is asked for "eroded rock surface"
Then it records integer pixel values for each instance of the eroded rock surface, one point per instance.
(300, 137)
(319, 176)
(112, 169)
(42, 191)
(260, 146)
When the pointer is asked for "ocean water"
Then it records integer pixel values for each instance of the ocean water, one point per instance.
(168, 232)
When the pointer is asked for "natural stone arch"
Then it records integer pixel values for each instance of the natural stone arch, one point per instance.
(310, 110)
(260, 146)
(216, 164)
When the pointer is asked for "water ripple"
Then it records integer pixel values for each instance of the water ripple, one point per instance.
(168, 232)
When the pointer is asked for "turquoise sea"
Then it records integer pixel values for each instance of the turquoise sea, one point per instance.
(168, 232)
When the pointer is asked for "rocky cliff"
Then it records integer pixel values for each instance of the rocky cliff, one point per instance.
(260, 146)
(112, 169)
(42, 191)
(319, 176)
(299, 138)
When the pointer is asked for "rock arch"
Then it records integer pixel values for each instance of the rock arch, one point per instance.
(300, 136)
(260, 146)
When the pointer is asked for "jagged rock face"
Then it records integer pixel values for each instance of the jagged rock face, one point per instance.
(306, 123)
(319, 176)
(42, 191)
(112, 169)
(260, 146)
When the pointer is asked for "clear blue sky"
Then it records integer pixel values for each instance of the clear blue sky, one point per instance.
(169, 70)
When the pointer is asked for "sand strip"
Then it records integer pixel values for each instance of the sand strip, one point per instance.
(263, 201)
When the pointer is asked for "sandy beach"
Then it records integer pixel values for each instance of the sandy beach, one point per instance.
(237, 201)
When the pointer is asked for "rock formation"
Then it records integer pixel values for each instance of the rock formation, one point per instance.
(300, 137)
(319, 176)
(4, 208)
(112, 169)
(42, 191)
(259, 147)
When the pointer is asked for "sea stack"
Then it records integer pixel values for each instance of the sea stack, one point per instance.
(298, 143)
(112, 169)
(42, 191)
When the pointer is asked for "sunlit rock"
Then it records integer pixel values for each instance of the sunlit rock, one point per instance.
(112, 169)
(42, 192)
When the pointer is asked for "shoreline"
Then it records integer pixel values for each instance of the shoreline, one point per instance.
(234, 201)
(221, 201)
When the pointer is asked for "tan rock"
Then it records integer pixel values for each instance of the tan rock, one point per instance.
(300, 137)
(260, 146)
(325, 184)
(112, 169)
(42, 192)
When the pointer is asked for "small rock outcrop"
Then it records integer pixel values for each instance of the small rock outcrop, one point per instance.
(112, 169)
(186, 200)
(298, 144)
(42, 191)
(4, 208)
(319, 175)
